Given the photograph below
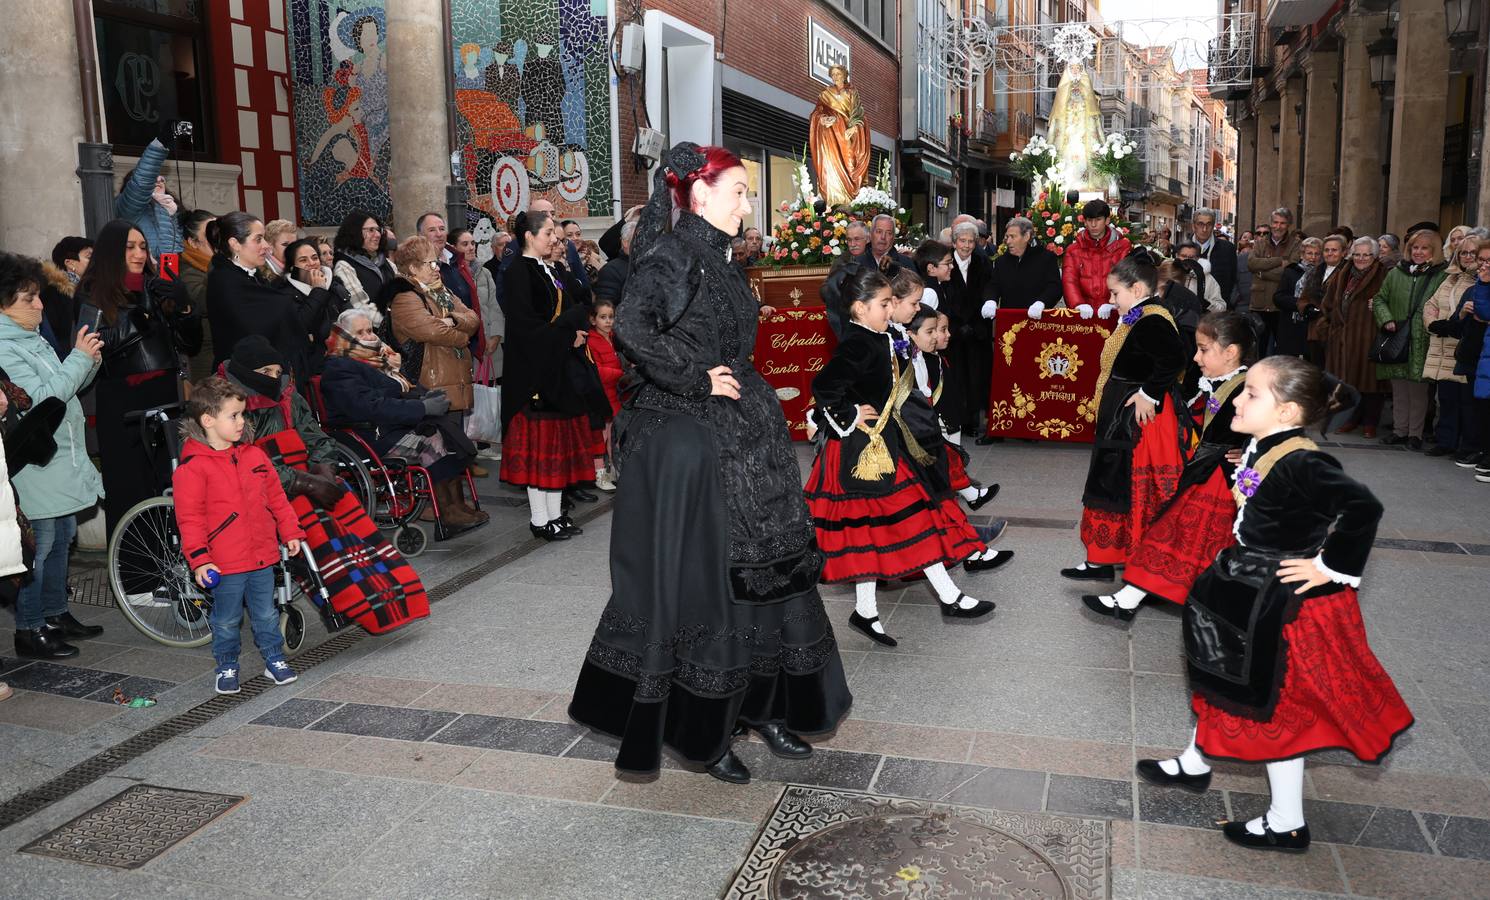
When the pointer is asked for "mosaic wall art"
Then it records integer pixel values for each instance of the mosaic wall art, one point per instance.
(533, 106)
(340, 72)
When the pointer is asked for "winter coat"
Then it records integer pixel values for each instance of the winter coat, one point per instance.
(147, 335)
(1438, 364)
(361, 282)
(1350, 326)
(12, 560)
(1473, 353)
(1401, 300)
(1266, 263)
(1086, 264)
(447, 360)
(359, 394)
(608, 364)
(57, 301)
(1020, 281)
(240, 304)
(610, 282)
(1222, 257)
(69, 483)
(317, 309)
(135, 204)
(491, 318)
(230, 506)
(265, 416)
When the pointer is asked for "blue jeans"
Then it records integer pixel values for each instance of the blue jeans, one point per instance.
(256, 591)
(46, 593)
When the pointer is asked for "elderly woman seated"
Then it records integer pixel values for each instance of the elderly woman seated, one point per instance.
(364, 389)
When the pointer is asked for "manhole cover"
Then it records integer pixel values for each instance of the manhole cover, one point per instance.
(840, 844)
(133, 827)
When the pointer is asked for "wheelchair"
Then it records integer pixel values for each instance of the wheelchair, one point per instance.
(152, 583)
(395, 491)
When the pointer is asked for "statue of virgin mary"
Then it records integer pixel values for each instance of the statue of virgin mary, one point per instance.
(1075, 127)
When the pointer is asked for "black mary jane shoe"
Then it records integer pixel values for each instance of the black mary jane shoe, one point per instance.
(976, 564)
(954, 611)
(1095, 604)
(781, 742)
(1295, 841)
(984, 498)
(71, 628)
(1090, 573)
(553, 531)
(581, 495)
(567, 525)
(1149, 770)
(729, 768)
(862, 625)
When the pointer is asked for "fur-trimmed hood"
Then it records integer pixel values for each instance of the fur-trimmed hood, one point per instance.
(57, 278)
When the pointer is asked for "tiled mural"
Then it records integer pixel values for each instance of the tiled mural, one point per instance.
(340, 73)
(532, 100)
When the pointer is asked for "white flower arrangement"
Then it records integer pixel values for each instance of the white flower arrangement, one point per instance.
(872, 196)
(1110, 155)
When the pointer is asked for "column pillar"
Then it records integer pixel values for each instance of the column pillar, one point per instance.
(1321, 128)
(1359, 164)
(1290, 144)
(1268, 197)
(1415, 182)
(41, 123)
(1246, 173)
(1481, 204)
(419, 166)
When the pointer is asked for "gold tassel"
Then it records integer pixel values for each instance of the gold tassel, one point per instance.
(874, 462)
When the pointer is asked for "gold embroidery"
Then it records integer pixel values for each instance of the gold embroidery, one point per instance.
(1266, 463)
(1114, 345)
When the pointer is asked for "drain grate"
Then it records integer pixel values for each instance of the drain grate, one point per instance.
(29, 802)
(828, 844)
(91, 588)
(133, 827)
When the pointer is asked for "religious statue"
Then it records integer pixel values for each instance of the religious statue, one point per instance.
(1076, 127)
(840, 140)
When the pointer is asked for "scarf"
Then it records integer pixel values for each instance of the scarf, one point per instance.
(1298, 286)
(165, 201)
(371, 353)
(478, 339)
(134, 281)
(196, 258)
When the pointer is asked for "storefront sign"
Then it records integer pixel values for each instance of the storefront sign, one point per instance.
(824, 50)
(791, 347)
(1045, 375)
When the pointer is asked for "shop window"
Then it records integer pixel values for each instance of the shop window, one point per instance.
(153, 70)
(876, 17)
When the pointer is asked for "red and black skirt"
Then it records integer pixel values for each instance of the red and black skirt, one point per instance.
(1184, 540)
(1110, 536)
(883, 536)
(1335, 694)
(957, 466)
(547, 452)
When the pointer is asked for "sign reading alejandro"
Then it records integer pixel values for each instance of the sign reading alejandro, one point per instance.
(1045, 375)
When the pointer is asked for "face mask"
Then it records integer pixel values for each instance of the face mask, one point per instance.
(28, 317)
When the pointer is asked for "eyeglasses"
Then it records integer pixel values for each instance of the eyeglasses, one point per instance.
(372, 229)
(431, 262)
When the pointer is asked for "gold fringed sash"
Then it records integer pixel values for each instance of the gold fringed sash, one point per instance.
(874, 461)
(1114, 345)
(1266, 463)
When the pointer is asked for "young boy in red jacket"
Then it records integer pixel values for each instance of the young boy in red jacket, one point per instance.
(229, 508)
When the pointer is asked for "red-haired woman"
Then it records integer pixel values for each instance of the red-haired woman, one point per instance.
(714, 624)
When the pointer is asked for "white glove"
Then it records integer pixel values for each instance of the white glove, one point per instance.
(990, 308)
(1037, 309)
(1105, 311)
(1085, 310)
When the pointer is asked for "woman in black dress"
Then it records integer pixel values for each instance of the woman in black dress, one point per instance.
(714, 623)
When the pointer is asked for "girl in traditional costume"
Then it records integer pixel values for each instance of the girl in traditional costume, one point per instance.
(1196, 523)
(1277, 652)
(1136, 458)
(867, 492)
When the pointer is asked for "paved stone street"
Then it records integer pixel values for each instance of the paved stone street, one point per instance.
(438, 761)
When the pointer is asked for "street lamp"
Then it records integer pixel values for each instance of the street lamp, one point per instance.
(1276, 129)
(1382, 54)
(1461, 19)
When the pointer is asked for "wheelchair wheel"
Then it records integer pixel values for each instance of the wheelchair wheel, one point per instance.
(292, 627)
(151, 582)
(410, 540)
(359, 480)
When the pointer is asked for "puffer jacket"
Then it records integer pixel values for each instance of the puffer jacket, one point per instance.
(1266, 263)
(1401, 300)
(1438, 365)
(161, 230)
(230, 506)
(69, 483)
(1086, 264)
(416, 316)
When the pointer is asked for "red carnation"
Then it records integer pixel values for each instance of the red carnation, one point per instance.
(1050, 232)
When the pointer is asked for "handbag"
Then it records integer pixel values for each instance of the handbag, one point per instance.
(1392, 347)
(485, 421)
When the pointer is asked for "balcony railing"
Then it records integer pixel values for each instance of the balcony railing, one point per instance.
(991, 124)
(1175, 187)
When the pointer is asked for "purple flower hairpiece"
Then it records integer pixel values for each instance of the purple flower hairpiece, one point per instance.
(1213, 405)
(1132, 316)
(902, 348)
(1247, 480)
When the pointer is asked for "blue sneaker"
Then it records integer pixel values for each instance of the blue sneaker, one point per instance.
(280, 672)
(227, 679)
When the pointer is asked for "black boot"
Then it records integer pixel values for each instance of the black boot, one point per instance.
(1296, 841)
(729, 768)
(782, 742)
(72, 628)
(43, 643)
(1149, 770)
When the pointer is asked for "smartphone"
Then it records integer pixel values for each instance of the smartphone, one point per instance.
(170, 266)
(91, 318)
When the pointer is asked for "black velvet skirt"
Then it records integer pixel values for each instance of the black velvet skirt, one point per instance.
(676, 660)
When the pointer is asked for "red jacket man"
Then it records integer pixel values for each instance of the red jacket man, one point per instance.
(1096, 250)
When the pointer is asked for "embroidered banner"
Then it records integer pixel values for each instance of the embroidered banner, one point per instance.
(1045, 375)
(791, 347)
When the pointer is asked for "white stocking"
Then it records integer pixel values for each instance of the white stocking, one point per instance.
(554, 500)
(1190, 762)
(970, 493)
(538, 508)
(1127, 598)
(946, 591)
(866, 605)
(1286, 782)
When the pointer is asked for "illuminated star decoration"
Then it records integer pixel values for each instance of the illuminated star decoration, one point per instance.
(1247, 481)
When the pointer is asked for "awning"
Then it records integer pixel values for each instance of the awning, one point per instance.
(931, 168)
